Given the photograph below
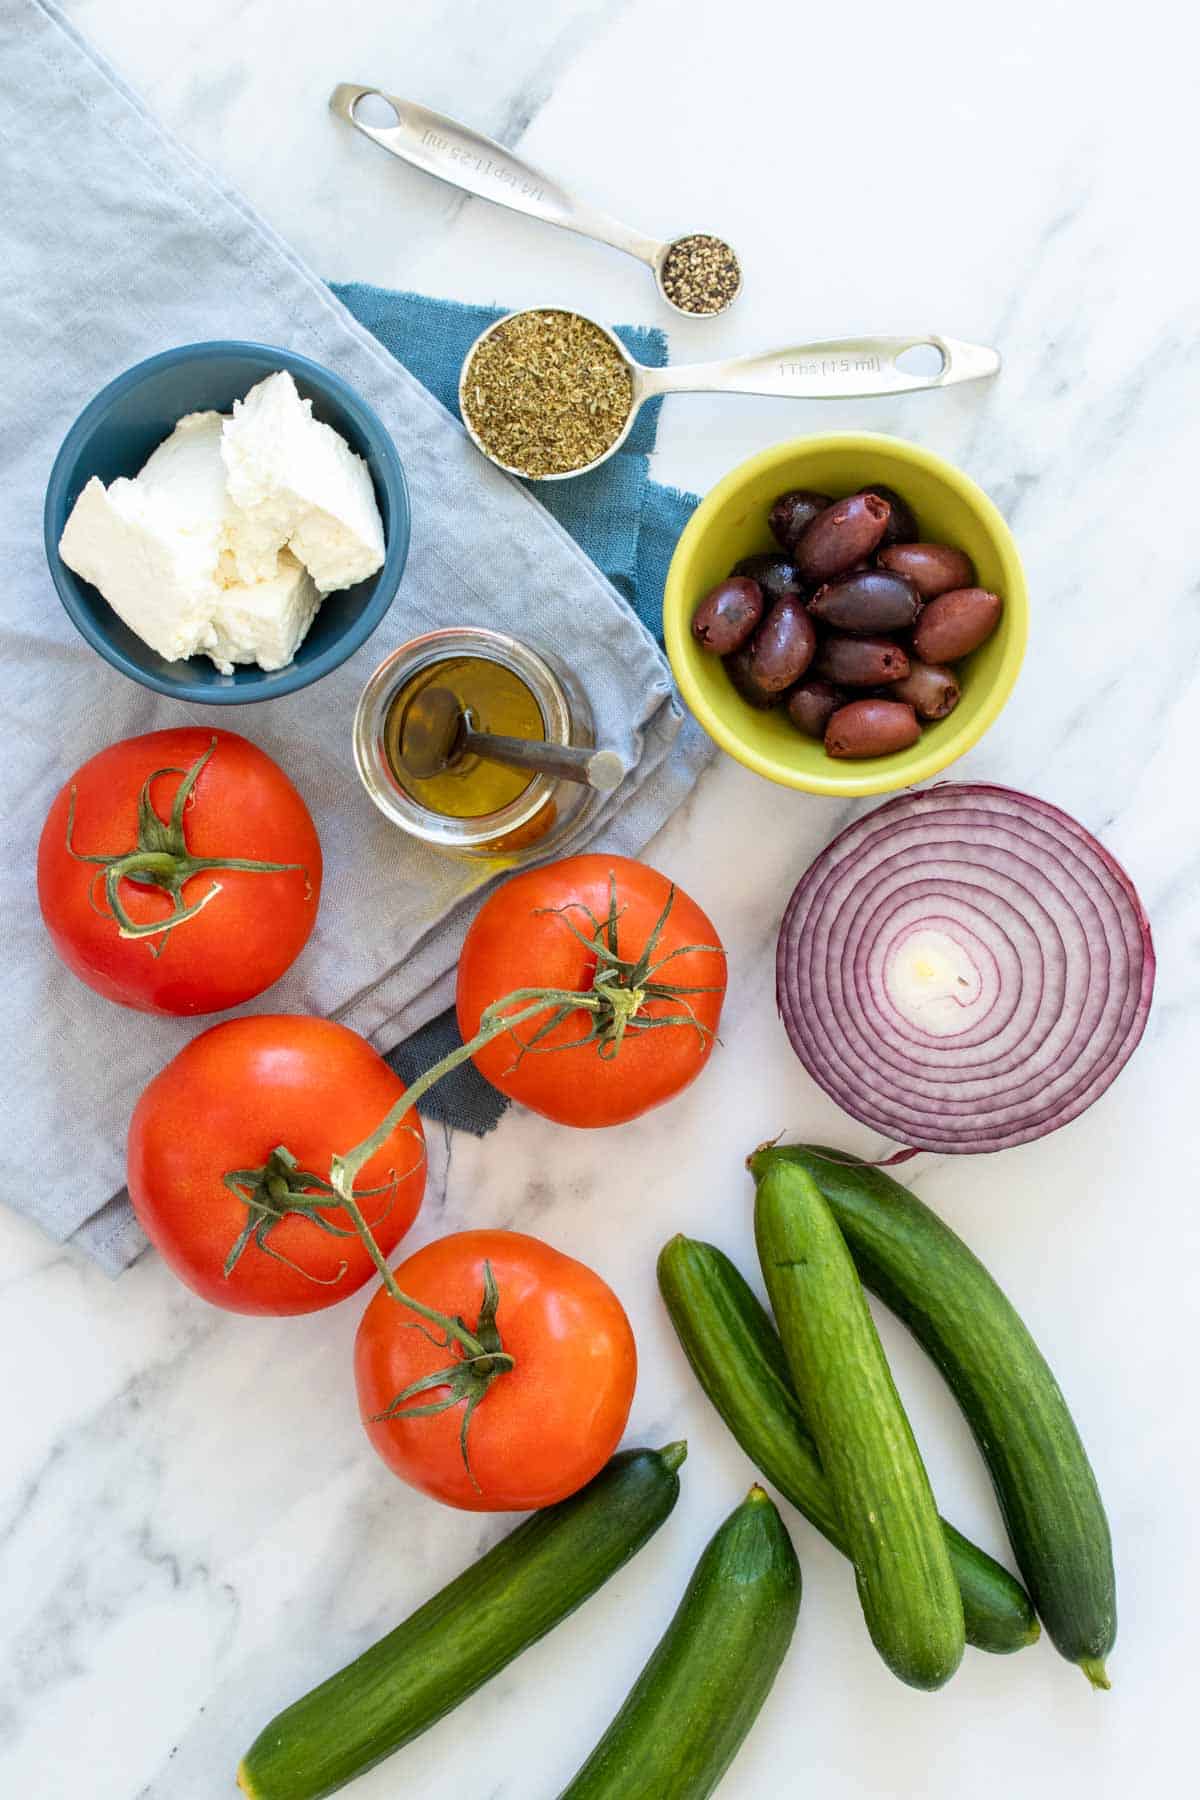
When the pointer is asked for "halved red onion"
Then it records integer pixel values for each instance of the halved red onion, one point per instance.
(965, 969)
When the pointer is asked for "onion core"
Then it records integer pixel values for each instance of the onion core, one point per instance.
(932, 978)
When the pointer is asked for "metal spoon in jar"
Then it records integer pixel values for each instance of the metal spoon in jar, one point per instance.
(438, 731)
(837, 369)
(697, 274)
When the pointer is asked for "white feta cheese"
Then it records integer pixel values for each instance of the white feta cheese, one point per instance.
(184, 480)
(160, 580)
(297, 482)
(264, 622)
(232, 532)
(186, 477)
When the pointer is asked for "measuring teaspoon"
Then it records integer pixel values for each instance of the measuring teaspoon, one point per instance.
(438, 731)
(837, 369)
(440, 146)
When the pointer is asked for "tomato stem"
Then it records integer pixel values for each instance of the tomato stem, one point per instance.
(275, 1189)
(455, 1330)
(161, 859)
(345, 1168)
(616, 1001)
(614, 1005)
(281, 1187)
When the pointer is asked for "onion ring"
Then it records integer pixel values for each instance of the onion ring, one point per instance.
(965, 969)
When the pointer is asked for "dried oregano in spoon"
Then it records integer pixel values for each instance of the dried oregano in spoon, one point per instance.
(547, 392)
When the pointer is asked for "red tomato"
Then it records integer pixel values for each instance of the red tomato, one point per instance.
(522, 938)
(250, 924)
(224, 1104)
(543, 1428)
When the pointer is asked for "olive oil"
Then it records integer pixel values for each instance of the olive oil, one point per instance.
(498, 701)
(504, 817)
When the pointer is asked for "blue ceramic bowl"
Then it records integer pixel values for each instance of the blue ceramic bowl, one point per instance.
(116, 433)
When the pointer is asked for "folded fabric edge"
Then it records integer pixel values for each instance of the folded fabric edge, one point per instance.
(111, 1235)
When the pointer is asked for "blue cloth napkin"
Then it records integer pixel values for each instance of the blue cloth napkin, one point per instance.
(625, 522)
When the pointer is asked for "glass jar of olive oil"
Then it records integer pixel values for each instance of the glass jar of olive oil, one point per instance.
(475, 808)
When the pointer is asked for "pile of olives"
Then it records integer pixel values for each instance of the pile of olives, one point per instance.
(852, 624)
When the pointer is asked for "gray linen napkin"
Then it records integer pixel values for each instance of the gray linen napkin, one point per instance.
(115, 243)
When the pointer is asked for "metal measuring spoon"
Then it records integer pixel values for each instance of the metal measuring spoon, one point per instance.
(837, 369)
(438, 730)
(477, 164)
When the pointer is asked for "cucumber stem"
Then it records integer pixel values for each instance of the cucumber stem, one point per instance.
(1093, 1667)
(675, 1455)
(755, 1157)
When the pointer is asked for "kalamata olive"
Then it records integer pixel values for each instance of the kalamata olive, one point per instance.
(901, 527)
(865, 601)
(955, 624)
(871, 728)
(811, 705)
(776, 575)
(933, 568)
(932, 690)
(783, 646)
(794, 512)
(728, 614)
(840, 536)
(738, 669)
(860, 661)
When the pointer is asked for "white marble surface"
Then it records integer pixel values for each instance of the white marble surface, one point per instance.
(194, 1529)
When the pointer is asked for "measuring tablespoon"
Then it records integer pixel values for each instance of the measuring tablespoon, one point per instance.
(439, 731)
(836, 369)
(440, 146)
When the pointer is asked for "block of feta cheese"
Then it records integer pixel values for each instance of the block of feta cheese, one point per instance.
(186, 474)
(184, 480)
(229, 536)
(264, 622)
(159, 579)
(297, 482)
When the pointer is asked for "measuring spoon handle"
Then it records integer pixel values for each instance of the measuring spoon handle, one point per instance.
(599, 769)
(840, 369)
(477, 164)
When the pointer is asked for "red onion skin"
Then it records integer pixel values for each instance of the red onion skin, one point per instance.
(1070, 1035)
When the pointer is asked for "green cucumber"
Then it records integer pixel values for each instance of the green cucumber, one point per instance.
(880, 1489)
(691, 1707)
(466, 1634)
(734, 1349)
(1044, 1482)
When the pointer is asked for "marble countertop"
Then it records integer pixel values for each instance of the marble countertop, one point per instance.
(194, 1529)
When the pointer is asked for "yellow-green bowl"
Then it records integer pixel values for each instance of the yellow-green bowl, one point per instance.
(731, 522)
